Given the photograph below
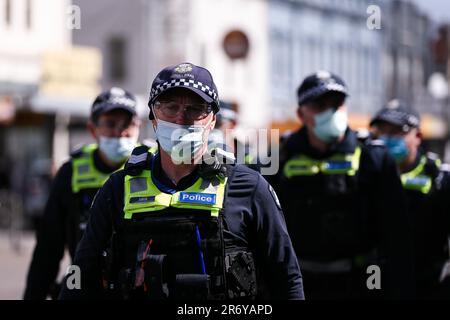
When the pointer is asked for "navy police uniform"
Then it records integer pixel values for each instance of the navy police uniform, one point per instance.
(249, 222)
(64, 220)
(345, 210)
(71, 195)
(218, 234)
(426, 184)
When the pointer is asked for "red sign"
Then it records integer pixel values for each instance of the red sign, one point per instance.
(236, 44)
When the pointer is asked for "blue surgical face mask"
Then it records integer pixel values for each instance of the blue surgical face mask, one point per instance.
(117, 149)
(216, 138)
(396, 147)
(330, 124)
(182, 142)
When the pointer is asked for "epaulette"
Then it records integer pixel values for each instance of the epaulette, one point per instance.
(432, 156)
(150, 143)
(362, 134)
(375, 142)
(433, 164)
(77, 152)
(443, 179)
(138, 160)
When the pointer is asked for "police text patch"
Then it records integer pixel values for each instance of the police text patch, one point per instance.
(200, 198)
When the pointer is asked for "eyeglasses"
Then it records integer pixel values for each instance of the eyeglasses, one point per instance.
(120, 125)
(193, 112)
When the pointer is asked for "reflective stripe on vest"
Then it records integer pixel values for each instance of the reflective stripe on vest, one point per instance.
(84, 173)
(416, 179)
(141, 195)
(338, 164)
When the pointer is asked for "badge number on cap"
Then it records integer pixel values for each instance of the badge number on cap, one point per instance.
(194, 197)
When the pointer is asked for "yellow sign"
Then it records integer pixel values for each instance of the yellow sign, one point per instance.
(71, 73)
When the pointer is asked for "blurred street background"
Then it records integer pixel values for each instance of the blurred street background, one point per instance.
(57, 55)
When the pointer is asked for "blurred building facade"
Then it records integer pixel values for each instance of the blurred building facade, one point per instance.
(408, 65)
(27, 29)
(45, 85)
(306, 36)
(167, 32)
(286, 40)
(258, 51)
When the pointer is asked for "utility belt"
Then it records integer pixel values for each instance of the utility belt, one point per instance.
(177, 254)
(171, 245)
(155, 278)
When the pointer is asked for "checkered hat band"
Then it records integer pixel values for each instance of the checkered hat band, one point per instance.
(321, 89)
(180, 83)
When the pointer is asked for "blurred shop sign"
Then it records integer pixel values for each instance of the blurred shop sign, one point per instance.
(433, 127)
(7, 110)
(236, 44)
(71, 73)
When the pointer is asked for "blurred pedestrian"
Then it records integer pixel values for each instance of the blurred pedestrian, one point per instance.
(224, 136)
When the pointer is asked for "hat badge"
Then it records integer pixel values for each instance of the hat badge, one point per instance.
(322, 75)
(393, 104)
(183, 68)
(117, 91)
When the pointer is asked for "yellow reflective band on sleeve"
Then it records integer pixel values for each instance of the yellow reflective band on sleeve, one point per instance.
(338, 164)
(415, 180)
(141, 195)
(84, 173)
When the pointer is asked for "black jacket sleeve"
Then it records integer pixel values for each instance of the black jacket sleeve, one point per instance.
(50, 238)
(394, 230)
(274, 250)
(95, 239)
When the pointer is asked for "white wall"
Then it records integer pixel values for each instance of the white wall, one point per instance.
(242, 81)
(20, 47)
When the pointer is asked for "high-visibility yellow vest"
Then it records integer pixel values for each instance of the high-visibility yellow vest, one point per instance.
(142, 195)
(302, 165)
(84, 173)
(417, 179)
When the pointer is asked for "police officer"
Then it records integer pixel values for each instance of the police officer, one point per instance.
(427, 187)
(115, 127)
(223, 136)
(343, 201)
(182, 224)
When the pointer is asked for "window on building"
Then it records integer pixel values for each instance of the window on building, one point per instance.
(8, 12)
(117, 51)
(28, 14)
